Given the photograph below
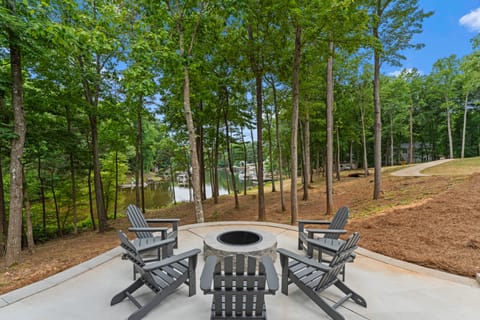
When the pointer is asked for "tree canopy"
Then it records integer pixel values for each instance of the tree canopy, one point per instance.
(111, 89)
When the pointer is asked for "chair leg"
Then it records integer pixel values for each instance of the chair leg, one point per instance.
(123, 294)
(327, 308)
(354, 296)
(284, 264)
(146, 308)
(192, 263)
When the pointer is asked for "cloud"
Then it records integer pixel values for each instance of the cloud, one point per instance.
(471, 20)
(397, 73)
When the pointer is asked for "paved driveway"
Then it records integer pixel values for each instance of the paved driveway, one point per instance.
(416, 170)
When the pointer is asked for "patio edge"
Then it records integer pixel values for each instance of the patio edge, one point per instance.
(29, 290)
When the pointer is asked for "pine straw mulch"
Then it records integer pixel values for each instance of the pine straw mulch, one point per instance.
(431, 221)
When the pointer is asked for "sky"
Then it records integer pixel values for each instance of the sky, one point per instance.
(448, 31)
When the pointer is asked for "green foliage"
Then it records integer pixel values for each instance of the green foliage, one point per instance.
(113, 63)
(395, 23)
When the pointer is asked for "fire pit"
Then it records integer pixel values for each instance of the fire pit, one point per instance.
(255, 243)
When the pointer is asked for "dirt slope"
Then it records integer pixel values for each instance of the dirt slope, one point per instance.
(432, 221)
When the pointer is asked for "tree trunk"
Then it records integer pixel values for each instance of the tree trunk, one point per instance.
(410, 147)
(259, 113)
(97, 180)
(337, 167)
(197, 191)
(200, 154)
(464, 125)
(350, 155)
(227, 179)
(137, 165)
(74, 194)
(90, 200)
(377, 150)
(92, 100)
(306, 156)
(229, 151)
(3, 212)
(14, 237)
(254, 152)
(270, 148)
(41, 191)
(72, 175)
(279, 147)
(391, 141)
(172, 183)
(140, 169)
(261, 195)
(295, 101)
(185, 53)
(215, 151)
(302, 167)
(57, 210)
(115, 204)
(329, 132)
(308, 160)
(28, 218)
(449, 129)
(364, 143)
(244, 164)
(92, 96)
(211, 172)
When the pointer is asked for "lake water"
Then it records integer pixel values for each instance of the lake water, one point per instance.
(160, 194)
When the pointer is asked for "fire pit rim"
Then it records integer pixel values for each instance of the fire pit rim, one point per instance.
(267, 245)
(221, 239)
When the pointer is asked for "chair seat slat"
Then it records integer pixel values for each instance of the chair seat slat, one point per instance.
(236, 293)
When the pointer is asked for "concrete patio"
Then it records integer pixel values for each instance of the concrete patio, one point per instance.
(393, 289)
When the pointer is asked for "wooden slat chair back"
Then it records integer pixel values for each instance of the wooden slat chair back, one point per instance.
(162, 277)
(335, 228)
(142, 228)
(338, 222)
(137, 219)
(239, 286)
(313, 277)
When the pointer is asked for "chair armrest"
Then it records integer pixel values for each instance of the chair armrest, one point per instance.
(206, 277)
(271, 273)
(302, 223)
(150, 229)
(306, 260)
(149, 246)
(167, 261)
(172, 221)
(314, 221)
(163, 220)
(325, 244)
(325, 231)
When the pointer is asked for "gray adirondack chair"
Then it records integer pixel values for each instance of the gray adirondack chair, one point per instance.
(314, 277)
(239, 286)
(162, 277)
(148, 249)
(335, 228)
(325, 249)
(142, 229)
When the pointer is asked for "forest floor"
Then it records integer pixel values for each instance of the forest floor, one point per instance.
(433, 221)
